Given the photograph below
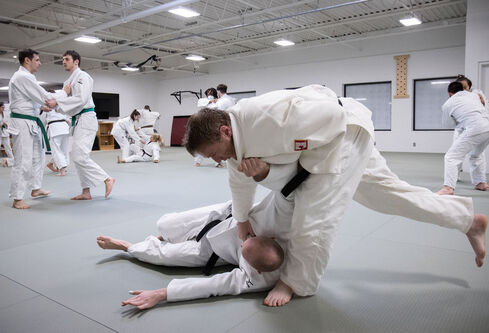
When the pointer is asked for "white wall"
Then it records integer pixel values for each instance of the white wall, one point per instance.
(421, 64)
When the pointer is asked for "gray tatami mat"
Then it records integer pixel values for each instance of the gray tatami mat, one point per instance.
(386, 273)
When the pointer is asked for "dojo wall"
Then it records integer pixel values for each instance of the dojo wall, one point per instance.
(433, 53)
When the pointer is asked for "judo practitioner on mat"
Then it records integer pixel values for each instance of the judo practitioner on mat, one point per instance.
(332, 139)
(79, 105)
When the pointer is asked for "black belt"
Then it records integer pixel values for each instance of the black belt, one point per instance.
(146, 126)
(56, 121)
(339, 102)
(145, 153)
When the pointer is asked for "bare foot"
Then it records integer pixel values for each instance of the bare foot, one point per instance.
(279, 295)
(197, 164)
(85, 195)
(109, 243)
(62, 172)
(109, 184)
(118, 159)
(4, 162)
(445, 190)
(39, 193)
(482, 186)
(219, 165)
(51, 167)
(477, 238)
(20, 204)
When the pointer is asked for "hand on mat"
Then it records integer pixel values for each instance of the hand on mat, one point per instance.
(254, 167)
(245, 230)
(146, 299)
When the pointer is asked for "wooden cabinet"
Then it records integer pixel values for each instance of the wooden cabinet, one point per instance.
(105, 139)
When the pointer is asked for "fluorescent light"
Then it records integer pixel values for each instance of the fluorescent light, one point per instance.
(410, 21)
(185, 12)
(284, 42)
(194, 57)
(130, 69)
(4, 88)
(41, 82)
(361, 99)
(440, 82)
(15, 57)
(88, 39)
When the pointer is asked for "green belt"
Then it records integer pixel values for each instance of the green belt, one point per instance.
(73, 119)
(39, 123)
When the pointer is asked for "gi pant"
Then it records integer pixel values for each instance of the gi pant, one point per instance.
(123, 143)
(5, 141)
(138, 158)
(60, 150)
(89, 172)
(467, 144)
(28, 169)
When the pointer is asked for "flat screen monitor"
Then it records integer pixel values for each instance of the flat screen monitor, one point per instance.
(106, 105)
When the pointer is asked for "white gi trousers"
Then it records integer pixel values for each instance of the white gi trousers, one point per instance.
(465, 144)
(123, 142)
(5, 141)
(89, 172)
(138, 158)
(60, 150)
(28, 168)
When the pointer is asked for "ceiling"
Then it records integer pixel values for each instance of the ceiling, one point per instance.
(226, 30)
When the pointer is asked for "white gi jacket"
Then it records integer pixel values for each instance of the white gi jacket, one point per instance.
(223, 103)
(284, 126)
(125, 126)
(271, 218)
(149, 152)
(59, 124)
(80, 98)
(148, 118)
(465, 110)
(4, 132)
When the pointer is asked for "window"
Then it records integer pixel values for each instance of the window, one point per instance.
(377, 97)
(429, 96)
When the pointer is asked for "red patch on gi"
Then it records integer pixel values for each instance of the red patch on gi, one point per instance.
(300, 145)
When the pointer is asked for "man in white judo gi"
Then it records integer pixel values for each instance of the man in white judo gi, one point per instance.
(464, 109)
(147, 122)
(5, 137)
(58, 126)
(79, 105)
(28, 134)
(224, 101)
(332, 139)
(258, 258)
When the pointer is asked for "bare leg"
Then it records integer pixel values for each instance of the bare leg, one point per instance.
(109, 243)
(20, 204)
(109, 184)
(37, 193)
(51, 167)
(445, 190)
(119, 159)
(85, 195)
(477, 238)
(482, 186)
(62, 172)
(279, 295)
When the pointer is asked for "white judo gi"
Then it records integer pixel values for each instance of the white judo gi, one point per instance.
(223, 103)
(271, 217)
(122, 131)
(149, 152)
(85, 128)
(58, 128)
(465, 110)
(335, 144)
(147, 122)
(5, 138)
(25, 96)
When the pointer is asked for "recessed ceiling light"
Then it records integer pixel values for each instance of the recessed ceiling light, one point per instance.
(361, 99)
(15, 57)
(284, 42)
(185, 12)
(88, 39)
(194, 57)
(410, 21)
(130, 69)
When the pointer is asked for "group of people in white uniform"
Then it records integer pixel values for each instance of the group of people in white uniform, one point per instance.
(321, 147)
(313, 150)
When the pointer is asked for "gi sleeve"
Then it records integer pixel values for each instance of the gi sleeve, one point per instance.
(29, 86)
(231, 283)
(131, 132)
(243, 190)
(81, 92)
(447, 119)
(156, 152)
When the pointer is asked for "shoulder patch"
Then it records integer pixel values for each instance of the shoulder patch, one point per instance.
(300, 145)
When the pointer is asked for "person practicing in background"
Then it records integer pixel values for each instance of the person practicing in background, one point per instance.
(184, 241)
(209, 101)
(224, 101)
(467, 84)
(464, 109)
(5, 138)
(79, 105)
(147, 122)
(332, 140)
(58, 126)
(28, 134)
(125, 129)
(149, 152)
